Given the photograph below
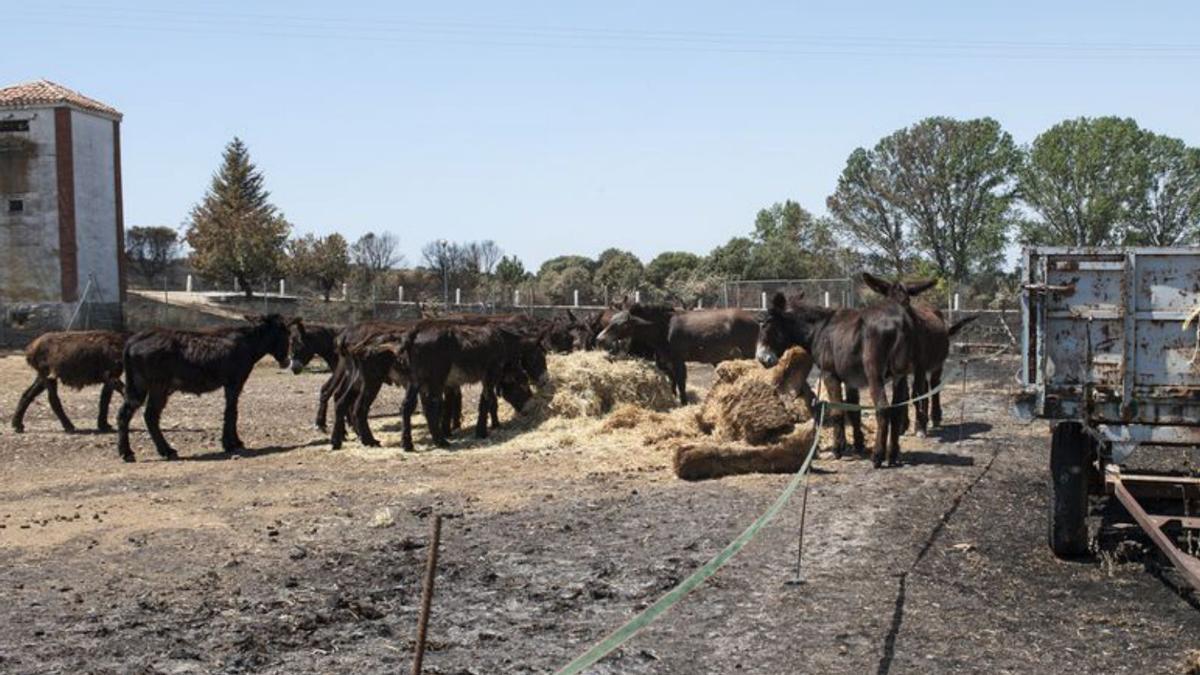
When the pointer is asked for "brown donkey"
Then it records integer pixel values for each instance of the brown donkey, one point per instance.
(77, 359)
(858, 348)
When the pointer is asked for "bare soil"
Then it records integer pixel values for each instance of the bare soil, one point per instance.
(296, 559)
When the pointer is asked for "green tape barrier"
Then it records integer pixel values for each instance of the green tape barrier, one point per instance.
(838, 405)
(637, 623)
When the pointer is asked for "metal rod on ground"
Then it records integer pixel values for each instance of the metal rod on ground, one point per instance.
(427, 594)
(962, 404)
(799, 578)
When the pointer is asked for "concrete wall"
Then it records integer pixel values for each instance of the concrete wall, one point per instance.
(95, 206)
(29, 266)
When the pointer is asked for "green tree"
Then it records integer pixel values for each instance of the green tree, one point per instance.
(1169, 212)
(1085, 179)
(942, 186)
(619, 272)
(665, 264)
(151, 250)
(562, 262)
(561, 285)
(236, 231)
(324, 261)
(510, 273)
(731, 260)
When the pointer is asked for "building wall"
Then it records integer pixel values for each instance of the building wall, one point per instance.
(96, 241)
(29, 264)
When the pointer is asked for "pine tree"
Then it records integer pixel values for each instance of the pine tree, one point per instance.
(236, 231)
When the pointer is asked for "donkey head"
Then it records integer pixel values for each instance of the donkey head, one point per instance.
(298, 346)
(897, 291)
(622, 325)
(273, 335)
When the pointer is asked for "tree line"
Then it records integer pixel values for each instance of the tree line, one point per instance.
(942, 196)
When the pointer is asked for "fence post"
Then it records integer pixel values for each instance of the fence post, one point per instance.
(516, 297)
(345, 291)
(282, 288)
(700, 303)
(576, 297)
(764, 299)
(826, 298)
(637, 296)
(400, 294)
(458, 296)
(189, 283)
(956, 308)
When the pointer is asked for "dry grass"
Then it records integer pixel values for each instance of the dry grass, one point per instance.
(591, 384)
(705, 459)
(1191, 663)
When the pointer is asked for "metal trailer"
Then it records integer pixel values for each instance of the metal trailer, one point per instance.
(1111, 356)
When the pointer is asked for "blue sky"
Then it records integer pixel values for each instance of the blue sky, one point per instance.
(557, 127)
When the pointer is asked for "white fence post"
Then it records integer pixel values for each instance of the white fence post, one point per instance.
(956, 302)
(400, 294)
(700, 303)
(764, 299)
(282, 287)
(345, 291)
(576, 297)
(637, 296)
(516, 297)
(189, 283)
(458, 296)
(826, 298)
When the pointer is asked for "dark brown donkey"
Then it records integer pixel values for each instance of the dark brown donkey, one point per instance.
(313, 339)
(676, 337)
(159, 362)
(860, 348)
(77, 359)
(933, 347)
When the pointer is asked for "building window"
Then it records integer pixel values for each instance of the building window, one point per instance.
(16, 205)
(14, 125)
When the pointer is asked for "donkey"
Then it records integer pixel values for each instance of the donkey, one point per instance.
(160, 361)
(676, 337)
(933, 346)
(861, 348)
(77, 359)
(308, 340)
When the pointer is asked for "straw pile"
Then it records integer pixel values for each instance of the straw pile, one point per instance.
(750, 403)
(591, 384)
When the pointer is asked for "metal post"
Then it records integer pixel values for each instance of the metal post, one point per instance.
(956, 307)
(282, 288)
(427, 594)
(764, 299)
(400, 294)
(576, 297)
(458, 296)
(799, 578)
(826, 298)
(189, 283)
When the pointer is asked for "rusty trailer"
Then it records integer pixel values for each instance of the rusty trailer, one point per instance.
(1111, 357)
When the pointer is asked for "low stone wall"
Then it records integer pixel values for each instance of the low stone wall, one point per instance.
(21, 322)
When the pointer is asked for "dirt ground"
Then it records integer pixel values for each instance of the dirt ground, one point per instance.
(296, 559)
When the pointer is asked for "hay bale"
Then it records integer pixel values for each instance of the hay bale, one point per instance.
(1191, 663)
(591, 384)
(750, 403)
(706, 459)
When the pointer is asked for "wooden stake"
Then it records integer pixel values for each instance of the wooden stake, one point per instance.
(427, 594)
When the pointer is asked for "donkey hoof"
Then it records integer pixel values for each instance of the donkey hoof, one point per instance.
(105, 428)
(169, 455)
(128, 457)
(19, 428)
(70, 429)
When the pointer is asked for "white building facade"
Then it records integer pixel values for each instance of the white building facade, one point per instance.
(61, 219)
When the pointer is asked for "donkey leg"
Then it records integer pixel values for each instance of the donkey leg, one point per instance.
(896, 428)
(56, 405)
(153, 415)
(680, 368)
(406, 412)
(18, 418)
(327, 390)
(229, 435)
(855, 416)
(836, 416)
(486, 394)
(362, 411)
(935, 381)
(882, 417)
(134, 398)
(344, 395)
(921, 408)
(431, 403)
(106, 393)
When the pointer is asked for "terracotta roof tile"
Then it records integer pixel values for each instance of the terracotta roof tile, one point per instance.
(45, 92)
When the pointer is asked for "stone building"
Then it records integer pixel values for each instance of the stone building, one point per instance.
(61, 223)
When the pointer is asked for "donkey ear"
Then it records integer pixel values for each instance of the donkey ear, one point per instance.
(779, 301)
(918, 287)
(876, 284)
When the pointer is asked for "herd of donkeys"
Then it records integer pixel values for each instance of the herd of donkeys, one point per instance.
(889, 340)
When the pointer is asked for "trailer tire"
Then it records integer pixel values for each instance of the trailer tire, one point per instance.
(1071, 454)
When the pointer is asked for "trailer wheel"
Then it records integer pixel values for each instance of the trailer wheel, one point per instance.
(1071, 454)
